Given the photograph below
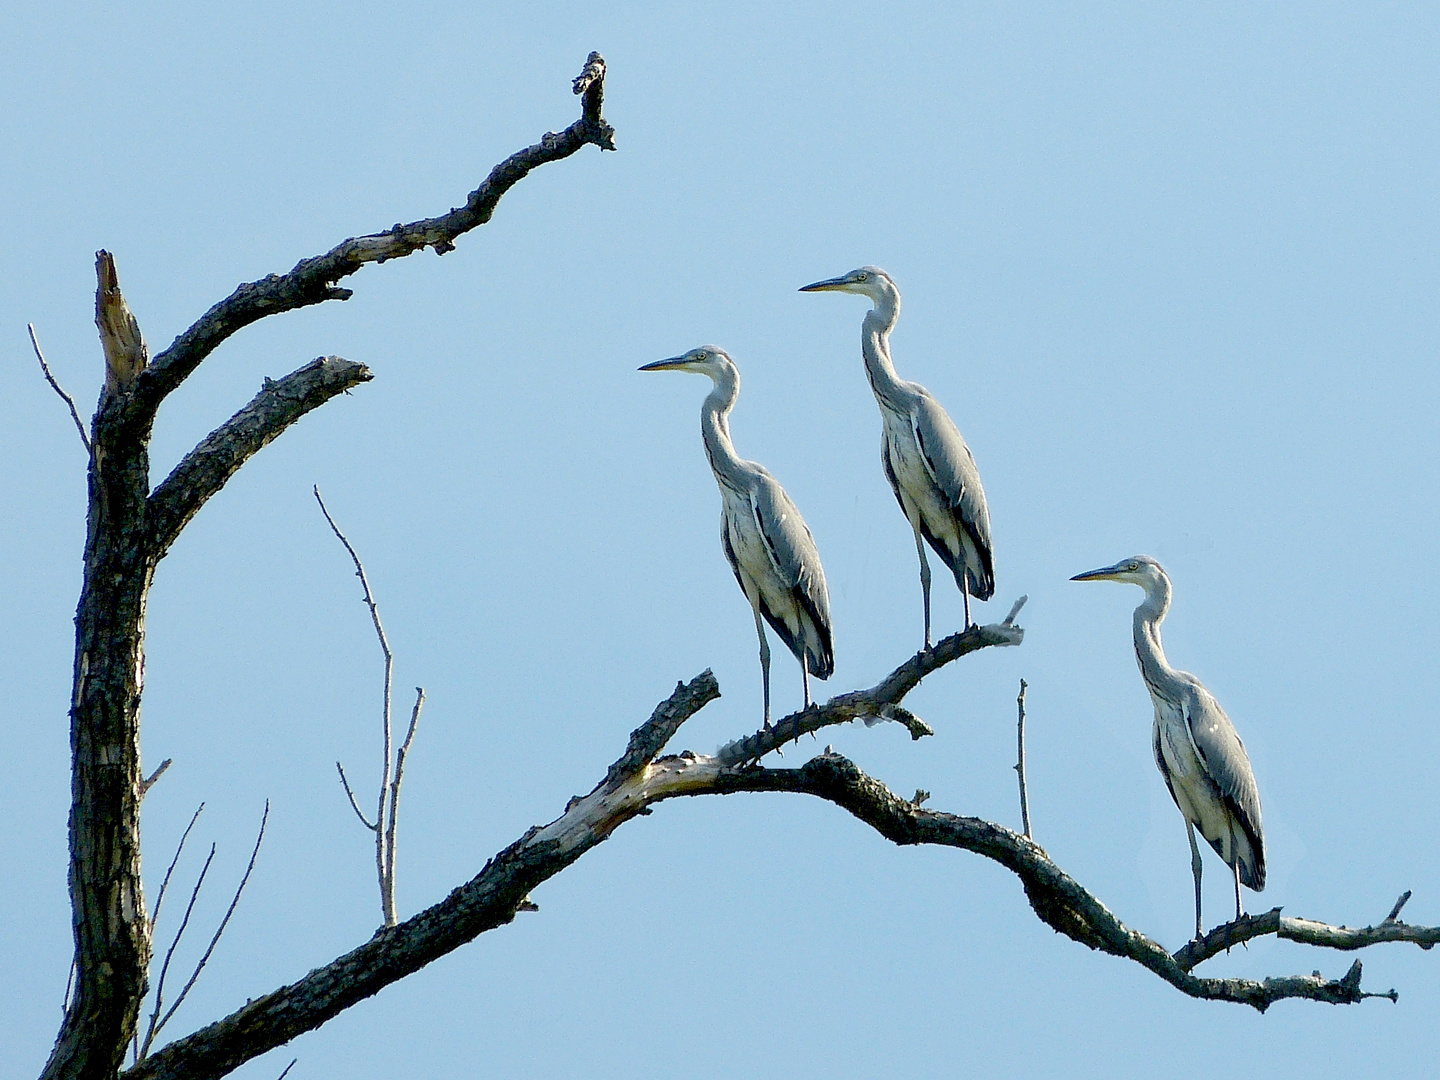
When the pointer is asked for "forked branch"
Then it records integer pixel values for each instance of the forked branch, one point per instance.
(881, 701)
(384, 824)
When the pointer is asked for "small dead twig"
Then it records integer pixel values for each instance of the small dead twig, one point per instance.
(354, 805)
(155, 1028)
(147, 784)
(64, 396)
(1020, 762)
(165, 882)
(154, 1023)
(383, 826)
(1395, 911)
(287, 1069)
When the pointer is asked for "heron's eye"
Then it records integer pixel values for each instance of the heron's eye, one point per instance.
(862, 276)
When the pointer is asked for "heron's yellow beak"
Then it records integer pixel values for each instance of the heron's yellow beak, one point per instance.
(1105, 573)
(675, 363)
(836, 284)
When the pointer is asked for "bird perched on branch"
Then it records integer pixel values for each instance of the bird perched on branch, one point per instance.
(926, 461)
(765, 538)
(1196, 747)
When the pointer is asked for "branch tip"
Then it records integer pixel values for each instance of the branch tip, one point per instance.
(1395, 911)
(125, 353)
(1015, 610)
(149, 782)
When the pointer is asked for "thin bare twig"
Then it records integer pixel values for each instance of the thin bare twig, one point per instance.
(65, 397)
(165, 882)
(353, 804)
(1020, 763)
(382, 866)
(215, 940)
(287, 1069)
(153, 1027)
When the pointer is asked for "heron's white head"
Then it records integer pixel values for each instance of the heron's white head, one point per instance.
(1139, 570)
(868, 281)
(706, 360)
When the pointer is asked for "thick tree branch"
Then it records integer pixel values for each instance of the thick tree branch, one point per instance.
(881, 701)
(490, 899)
(205, 470)
(1305, 931)
(650, 738)
(312, 281)
(1057, 898)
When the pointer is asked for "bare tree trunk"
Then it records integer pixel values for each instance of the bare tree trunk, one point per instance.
(112, 932)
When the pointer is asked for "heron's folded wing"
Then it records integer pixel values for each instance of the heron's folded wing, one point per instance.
(794, 556)
(1227, 763)
(952, 468)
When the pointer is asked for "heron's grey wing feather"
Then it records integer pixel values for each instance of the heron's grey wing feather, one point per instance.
(1227, 763)
(796, 560)
(952, 468)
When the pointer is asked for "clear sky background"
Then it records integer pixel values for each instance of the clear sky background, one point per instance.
(1172, 269)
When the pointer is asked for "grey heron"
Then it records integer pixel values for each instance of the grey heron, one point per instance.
(926, 460)
(765, 539)
(1196, 746)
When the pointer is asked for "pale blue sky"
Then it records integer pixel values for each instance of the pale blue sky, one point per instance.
(1171, 268)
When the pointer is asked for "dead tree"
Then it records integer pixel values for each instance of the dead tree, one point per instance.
(132, 524)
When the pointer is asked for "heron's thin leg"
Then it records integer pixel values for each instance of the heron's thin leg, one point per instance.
(1239, 907)
(965, 592)
(805, 679)
(764, 664)
(1195, 866)
(924, 580)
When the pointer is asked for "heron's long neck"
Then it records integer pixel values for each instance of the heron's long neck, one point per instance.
(1149, 652)
(875, 347)
(729, 469)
